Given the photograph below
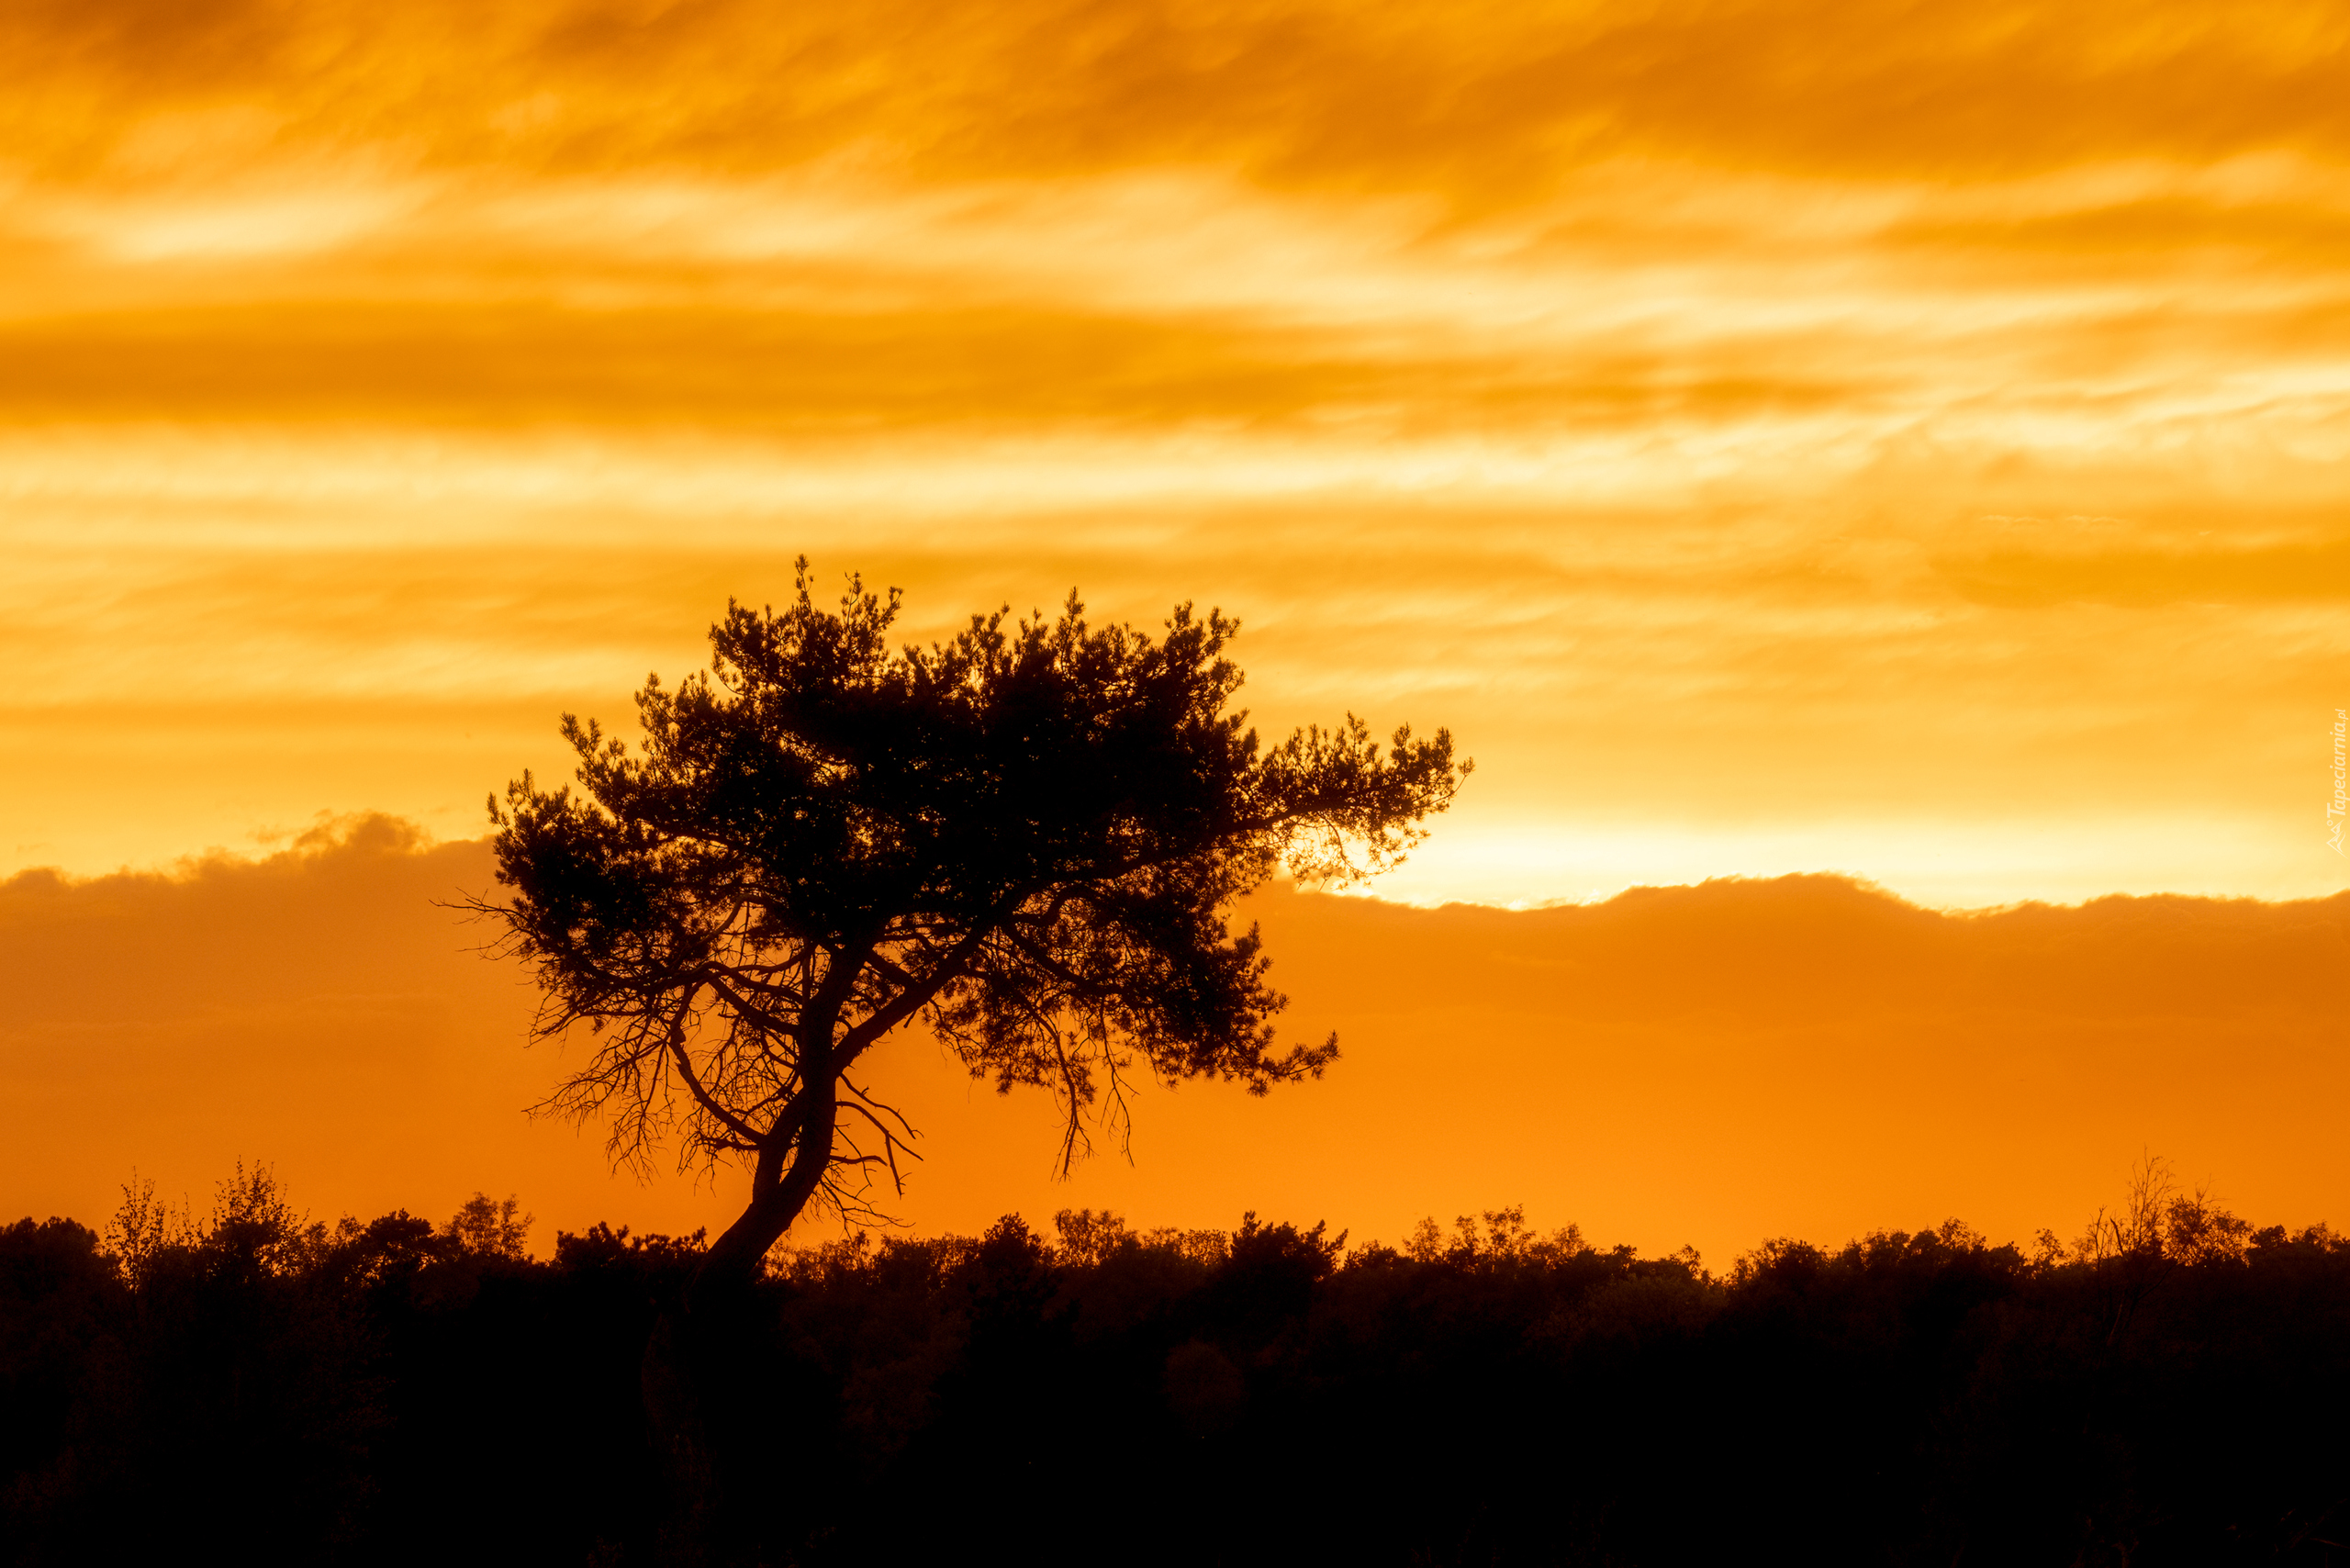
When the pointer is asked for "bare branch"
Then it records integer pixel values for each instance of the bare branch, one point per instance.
(703, 1096)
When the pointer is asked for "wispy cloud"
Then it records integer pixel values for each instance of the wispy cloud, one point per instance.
(1736, 420)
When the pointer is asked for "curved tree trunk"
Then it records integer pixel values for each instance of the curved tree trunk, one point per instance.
(695, 1341)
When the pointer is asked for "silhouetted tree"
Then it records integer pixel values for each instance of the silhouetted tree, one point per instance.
(1028, 837)
(489, 1228)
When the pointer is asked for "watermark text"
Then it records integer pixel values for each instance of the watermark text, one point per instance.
(2339, 806)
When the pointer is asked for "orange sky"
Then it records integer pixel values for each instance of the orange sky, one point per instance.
(1905, 440)
(1708, 1065)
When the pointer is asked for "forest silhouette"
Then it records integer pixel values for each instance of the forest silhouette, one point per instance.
(257, 1386)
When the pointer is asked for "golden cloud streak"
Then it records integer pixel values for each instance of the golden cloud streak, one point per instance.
(1754, 427)
(1482, 102)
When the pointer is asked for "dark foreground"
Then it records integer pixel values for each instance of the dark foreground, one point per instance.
(263, 1392)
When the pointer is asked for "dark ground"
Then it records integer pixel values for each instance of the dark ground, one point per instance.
(261, 1391)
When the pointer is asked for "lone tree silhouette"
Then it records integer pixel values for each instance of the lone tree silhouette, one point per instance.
(1027, 837)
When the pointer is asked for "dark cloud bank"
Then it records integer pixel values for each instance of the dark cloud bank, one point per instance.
(1716, 1063)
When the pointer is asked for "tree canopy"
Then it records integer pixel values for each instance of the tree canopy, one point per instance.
(1029, 837)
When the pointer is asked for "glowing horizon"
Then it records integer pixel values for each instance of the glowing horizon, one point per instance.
(1706, 1066)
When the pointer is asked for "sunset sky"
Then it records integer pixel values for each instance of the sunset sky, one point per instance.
(1901, 441)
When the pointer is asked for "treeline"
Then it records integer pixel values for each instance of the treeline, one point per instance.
(2170, 1388)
